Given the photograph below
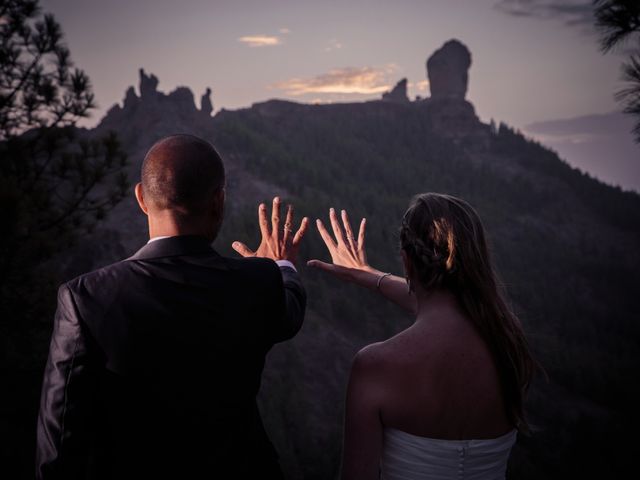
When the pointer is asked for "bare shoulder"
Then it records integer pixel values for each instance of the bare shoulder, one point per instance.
(377, 373)
(375, 358)
(367, 379)
(369, 359)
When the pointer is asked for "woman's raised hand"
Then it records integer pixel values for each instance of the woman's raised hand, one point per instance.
(350, 262)
(347, 253)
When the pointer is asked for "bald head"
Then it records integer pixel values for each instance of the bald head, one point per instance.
(182, 174)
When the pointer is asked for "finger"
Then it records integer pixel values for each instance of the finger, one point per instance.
(337, 230)
(304, 224)
(348, 231)
(287, 224)
(331, 245)
(262, 220)
(242, 249)
(361, 232)
(275, 216)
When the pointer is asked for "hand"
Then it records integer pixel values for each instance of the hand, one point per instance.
(347, 254)
(275, 245)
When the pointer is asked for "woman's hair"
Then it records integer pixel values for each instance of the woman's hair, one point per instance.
(444, 240)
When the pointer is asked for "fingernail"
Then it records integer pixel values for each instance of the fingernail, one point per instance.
(331, 210)
(277, 199)
(317, 220)
(344, 211)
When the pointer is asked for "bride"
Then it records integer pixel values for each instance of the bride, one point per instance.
(443, 398)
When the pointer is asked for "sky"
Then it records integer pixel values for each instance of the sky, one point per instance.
(533, 61)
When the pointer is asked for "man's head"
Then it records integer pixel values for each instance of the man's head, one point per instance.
(182, 187)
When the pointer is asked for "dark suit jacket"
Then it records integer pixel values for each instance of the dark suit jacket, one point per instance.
(155, 363)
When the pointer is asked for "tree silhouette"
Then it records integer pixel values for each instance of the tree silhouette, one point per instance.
(55, 180)
(618, 21)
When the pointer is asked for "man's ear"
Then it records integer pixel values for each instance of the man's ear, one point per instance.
(140, 198)
(216, 213)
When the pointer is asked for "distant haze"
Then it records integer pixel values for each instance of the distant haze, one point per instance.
(598, 144)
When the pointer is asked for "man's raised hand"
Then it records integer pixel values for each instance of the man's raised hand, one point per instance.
(277, 243)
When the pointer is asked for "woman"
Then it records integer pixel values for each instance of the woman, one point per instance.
(443, 398)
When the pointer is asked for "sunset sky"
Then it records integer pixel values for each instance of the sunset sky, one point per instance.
(534, 61)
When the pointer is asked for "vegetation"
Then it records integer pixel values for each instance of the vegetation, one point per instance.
(56, 182)
(619, 21)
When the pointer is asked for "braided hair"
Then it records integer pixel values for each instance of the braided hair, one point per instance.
(445, 243)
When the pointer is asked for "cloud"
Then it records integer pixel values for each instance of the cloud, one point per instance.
(571, 12)
(595, 124)
(260, 40)
(421, 86)
(284, 31)
(350, 80)
(333, 45)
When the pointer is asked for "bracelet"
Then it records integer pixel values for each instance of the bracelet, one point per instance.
(380, 279)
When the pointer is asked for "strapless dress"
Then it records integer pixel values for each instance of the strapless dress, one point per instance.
(409, 457)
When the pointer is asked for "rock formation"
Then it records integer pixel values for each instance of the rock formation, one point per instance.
(398, 93)
(206, 107)
(130, 98)
(451, 115)
(182, 98)
(148, 85)
(447, 70)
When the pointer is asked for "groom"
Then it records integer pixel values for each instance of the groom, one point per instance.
(155, 361)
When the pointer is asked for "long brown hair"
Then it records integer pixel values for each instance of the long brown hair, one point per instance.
(444, 240)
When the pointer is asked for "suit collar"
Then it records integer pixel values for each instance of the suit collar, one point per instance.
(174, 246)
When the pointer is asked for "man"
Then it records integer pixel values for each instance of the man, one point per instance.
(155, 361)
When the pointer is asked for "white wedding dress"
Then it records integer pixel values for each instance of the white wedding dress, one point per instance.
(410, 457)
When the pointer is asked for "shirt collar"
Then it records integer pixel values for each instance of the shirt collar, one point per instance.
(153, 239)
